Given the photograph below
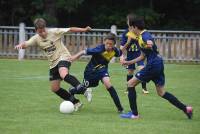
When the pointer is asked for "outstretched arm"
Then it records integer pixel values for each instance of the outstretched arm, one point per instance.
(78, 29)
(21, 46)
(141, 57)
(123, 48)
(77, 56)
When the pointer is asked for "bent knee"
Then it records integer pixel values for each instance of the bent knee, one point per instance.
(160, 93)
(55, 88)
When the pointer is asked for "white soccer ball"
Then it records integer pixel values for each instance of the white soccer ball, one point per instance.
(66, 107)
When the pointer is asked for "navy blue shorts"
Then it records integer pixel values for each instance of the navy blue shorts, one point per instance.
(132, 55)
(92, 77)
(154, 72)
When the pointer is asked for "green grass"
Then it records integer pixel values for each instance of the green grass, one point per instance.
(27, 106)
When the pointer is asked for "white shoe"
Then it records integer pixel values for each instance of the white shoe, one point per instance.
(145, 91)
(78, 106)
(88, 94)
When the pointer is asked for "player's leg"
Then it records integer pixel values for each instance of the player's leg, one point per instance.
(144, 85)
(132, 99)
(63, 68)
(159, 81)
(130, 72)
(141, 76)
(113, 93)
(62, 93)
(88, 92)
(174, 101)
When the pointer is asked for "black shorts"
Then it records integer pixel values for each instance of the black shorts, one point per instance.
(54, 73)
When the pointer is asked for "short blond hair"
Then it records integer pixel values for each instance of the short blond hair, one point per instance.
(39, 23)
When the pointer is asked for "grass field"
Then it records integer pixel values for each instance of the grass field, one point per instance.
(27, 106)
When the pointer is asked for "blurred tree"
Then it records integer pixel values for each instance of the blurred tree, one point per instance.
(168, 14)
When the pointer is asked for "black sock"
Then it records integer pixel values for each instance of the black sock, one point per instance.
(128, 77)
(71, 80)
(115, 98)
(144, 86)
(66, 96)
(80, 89)
(173, 100)
(132, 100)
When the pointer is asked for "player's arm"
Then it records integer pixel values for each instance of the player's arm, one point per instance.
(21, 46)
(78, 29)
(88, 51)
(123, 48)
(32, 41)
(141, 57)
(77, 56)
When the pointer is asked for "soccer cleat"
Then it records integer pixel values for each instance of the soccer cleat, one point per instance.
(88, 94)
(145, 91)
(78, 106)
(129, 115)
(189, 112)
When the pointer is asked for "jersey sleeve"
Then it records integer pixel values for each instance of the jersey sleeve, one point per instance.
(60, 31)
(32, 41)
(118, 52)
(123, 39)
(96, 50)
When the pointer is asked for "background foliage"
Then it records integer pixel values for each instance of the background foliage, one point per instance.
(168, 14)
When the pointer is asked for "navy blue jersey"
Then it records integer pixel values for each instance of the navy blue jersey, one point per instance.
(101, 57)
(154, 69)
(133, 46)
(150, 53)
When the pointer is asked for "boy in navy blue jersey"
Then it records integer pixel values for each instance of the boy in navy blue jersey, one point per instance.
(97, 68)
(130, 45)
(153, 70)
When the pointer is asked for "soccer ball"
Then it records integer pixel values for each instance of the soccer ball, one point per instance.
(66, 107)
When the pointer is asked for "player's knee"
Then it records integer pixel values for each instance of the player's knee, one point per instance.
(160, 93)
(131, 83)
(108, 85)
(55, 88)
(64, 74)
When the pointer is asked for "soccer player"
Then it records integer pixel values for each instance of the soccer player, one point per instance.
(154, 70)
(49, 40)
(97, 68)
(130, 45)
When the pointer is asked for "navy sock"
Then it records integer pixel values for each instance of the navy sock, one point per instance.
(173, 100)
(132, 100)
(72, 80)
(128, 77)
(80, 89)
(66, 96)
(144, 86)
(115, 98)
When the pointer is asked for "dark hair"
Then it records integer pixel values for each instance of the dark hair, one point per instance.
(111, 36)
(130, 16)
(137, 22)
(39, 23)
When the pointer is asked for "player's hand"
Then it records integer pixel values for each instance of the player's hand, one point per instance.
(19, 46)
(72, 58)
(126, 63)
(88, 28)
(121, 60)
